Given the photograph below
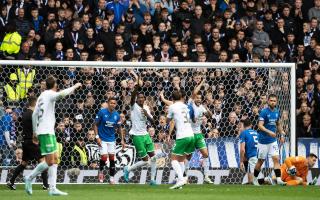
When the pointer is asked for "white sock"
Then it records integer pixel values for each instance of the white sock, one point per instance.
(186, 167)
(153, 165)
(52, 176)
(182, 166)
(177, 168)
(137, 165)
(38, 170)
(206, 167)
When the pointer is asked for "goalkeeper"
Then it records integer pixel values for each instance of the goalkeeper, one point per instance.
(294, 170)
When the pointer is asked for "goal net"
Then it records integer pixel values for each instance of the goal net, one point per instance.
(231, 91)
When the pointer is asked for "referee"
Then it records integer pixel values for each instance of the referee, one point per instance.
(30, 147)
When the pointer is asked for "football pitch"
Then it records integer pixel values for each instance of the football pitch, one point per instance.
(141, 192)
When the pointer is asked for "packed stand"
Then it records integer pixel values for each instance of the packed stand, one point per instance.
(165, 31)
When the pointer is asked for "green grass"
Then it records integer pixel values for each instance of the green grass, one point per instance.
(189, 192)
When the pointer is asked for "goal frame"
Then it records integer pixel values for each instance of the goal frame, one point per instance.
(108, 64)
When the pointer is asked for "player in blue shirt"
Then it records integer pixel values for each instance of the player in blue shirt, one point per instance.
(106, 124)
(269, 124)
(248, 148)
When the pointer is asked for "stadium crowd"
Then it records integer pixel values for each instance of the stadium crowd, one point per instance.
(258, 31)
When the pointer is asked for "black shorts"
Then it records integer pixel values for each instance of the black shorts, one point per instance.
(31, 151)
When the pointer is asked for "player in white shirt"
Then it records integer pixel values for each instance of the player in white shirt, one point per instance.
(140, 115)
(43, 122)
(198, 111)
(179, 112)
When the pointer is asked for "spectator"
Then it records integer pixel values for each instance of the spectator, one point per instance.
(37, 21)
(260, 39)
(315, 11)
(92, 150)
(214, 133)
(26, 76)
(229, 126)
(118, 10)
(13, 91)
(162, 127)
(278, 34)
(306, 130)
(73, 35)
(22, 24)
(197, 22)
(78, 155)
(8, 136)
(10, 45)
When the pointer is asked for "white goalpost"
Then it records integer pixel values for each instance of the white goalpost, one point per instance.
(230, 89)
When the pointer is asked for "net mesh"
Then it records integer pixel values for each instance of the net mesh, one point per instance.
(231, 94)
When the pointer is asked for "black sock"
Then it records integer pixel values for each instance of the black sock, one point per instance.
(277, 172)
(261, 181)
(112, 167)
(102, 164)
(44, 176)
(256, 173)
(16, 173)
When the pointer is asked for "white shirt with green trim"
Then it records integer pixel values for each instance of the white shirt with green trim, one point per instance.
(198, 111)
(139, 120)
(180, 113)
(43, 117)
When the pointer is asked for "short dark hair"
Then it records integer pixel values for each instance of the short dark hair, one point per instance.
(313, 155)
(141, 93)
(176, 95)
(272, 96)
(32, 101)
(112, 99)
(246, 122)
(50, 82)
(183, 93)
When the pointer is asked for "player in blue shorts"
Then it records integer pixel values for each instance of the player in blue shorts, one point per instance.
(106, 124)
(269, 124)
(248, 148)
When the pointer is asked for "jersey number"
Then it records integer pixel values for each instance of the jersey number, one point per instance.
(186, 118)
(40, 112)
(255, 139)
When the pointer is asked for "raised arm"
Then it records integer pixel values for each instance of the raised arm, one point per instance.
(208, 112)
(164, 100)
(66, 92)
(198, 88)
(134, 93)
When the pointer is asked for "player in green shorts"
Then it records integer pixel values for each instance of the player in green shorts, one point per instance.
(179, 116)
(198, 110)
(140, 115)
(43, 122)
